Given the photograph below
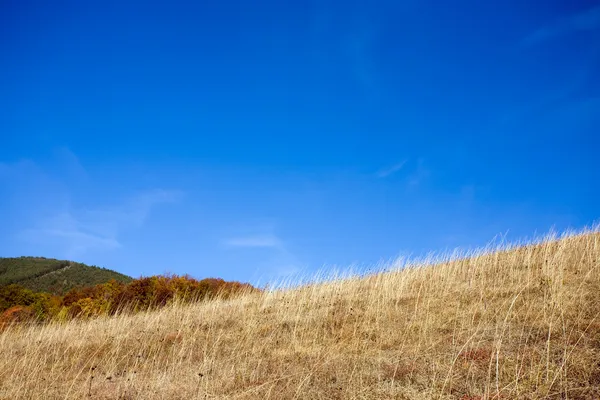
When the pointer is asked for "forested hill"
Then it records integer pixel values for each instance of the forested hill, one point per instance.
(42, 274)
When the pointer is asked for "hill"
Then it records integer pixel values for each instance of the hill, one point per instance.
(53, 276)
(520, 323)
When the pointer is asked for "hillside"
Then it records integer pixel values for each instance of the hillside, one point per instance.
(521, 323)
(53, 276)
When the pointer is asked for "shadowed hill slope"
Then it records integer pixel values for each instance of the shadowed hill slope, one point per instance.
(522, 323)
(53, 276)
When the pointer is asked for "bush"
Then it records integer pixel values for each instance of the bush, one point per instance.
(111, 297)
(16, 314)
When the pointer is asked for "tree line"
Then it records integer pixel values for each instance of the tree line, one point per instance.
(18, 304)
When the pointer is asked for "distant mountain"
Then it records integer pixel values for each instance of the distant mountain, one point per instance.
(42, 274)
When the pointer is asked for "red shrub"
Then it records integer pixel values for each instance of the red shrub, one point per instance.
(16, 314)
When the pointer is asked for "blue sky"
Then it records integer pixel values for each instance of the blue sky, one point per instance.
(257, 139)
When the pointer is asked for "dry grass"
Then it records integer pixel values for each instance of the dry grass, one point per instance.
(511, 324)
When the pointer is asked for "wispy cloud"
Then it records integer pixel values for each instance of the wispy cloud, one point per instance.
(385, 172)
(587, 20)
(254, 241)
(420, 175)
(71, 165)
(75, 241)
(79, 230)
(132, 212)
(58, 223)
(274, 258)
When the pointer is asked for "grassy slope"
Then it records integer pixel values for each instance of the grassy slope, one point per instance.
(55, 276)
(523, 324)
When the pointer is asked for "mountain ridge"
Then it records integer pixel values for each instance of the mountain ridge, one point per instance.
(51, 275)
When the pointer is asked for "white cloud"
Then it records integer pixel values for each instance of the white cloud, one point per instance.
(71, 165)
(385, 172)
(268, 241)
(77, 242)
(420, 175)
(274, 258)
(132, 212)
(42, 198)
(81, 230)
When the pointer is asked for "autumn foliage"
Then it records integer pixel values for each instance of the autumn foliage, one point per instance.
(18, 304)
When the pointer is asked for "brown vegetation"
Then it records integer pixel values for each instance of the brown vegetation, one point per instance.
(109, 298)
(513, 324)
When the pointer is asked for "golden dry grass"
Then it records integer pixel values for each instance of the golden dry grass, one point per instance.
(521, 323)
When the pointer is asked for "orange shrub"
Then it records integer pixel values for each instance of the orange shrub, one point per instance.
(16, 314)
(111, 297)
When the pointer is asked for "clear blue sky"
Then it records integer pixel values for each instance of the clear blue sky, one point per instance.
(256, 139)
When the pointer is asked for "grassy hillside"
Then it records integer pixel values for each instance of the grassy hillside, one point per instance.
(54, 276)
(511, 324)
